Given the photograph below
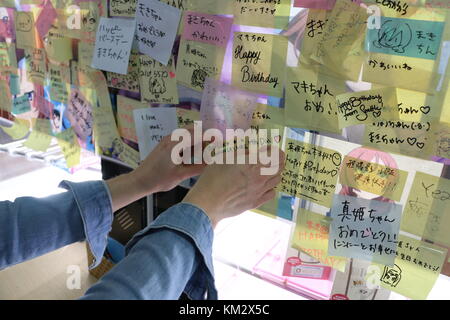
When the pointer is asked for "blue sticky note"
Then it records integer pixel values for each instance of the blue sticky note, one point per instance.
(285, 208)
(406, 37)
(14, 84)
(364, 229)
(21, 104)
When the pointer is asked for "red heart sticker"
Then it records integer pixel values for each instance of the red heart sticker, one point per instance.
(277, 139)
(172, 75)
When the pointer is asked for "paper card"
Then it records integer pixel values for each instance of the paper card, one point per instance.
(79, 113)
(7, 26)
(121, 8)
(366, 107)
(129, 81)
(187, 117)
(67, 140)
(207, 28)
(311, 172)
(25, 31)
(426, 211)
(373, 177)
(267, 14)
(258, 62)
(45, 19)
(36, 64)
(58, 46)
(197, 62)
(439, 141)
(125, 120)
(18, 130)
(415, 270)
(364, 229)
(340, 46)
(157, 25)
(40, 137)
(158, 82)
(226, 107)
(311, 236)
(113, 44)
(21, 104)
(406, 37)
(315, 4)
(152, 125)
(311, 99)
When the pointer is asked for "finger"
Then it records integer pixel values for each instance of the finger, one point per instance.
(272, 182)
(267, 196)
(191, 170)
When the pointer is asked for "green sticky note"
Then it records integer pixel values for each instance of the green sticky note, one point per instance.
(14, 84)
(21, 104)
(406, 37)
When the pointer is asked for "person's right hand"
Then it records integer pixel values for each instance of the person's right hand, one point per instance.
(226, 190)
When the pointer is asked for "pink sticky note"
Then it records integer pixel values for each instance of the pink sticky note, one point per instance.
(315, 4)
(207, 28)
(45, 19)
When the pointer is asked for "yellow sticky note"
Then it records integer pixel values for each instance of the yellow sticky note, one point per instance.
(373, 177)
(68, 142)
(426, 211)
(311, 172)
(207, 6)
(8, 60)
(187, 117)
(340, 46)
(315, 26)
(125, 120)
(40, 137)
(415, 270)
(129, 156)
(311, 236)
(267, 14)
(5, 96)
(25, 31)
(59, 77)
(85, 52)
(158, 82)
(268, 118)
(258, 62)
(311, 99)
(439, 140)
(198, 61)
(58, 46)
(366, 107)
(36, 65)
(119, 8)
(129, 81)
(19, 129)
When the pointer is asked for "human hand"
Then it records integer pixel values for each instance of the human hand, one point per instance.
(227, 190)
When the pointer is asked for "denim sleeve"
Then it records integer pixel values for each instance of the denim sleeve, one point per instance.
(30, 227)
(171, 256)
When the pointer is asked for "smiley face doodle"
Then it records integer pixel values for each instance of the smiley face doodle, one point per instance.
(24, 21)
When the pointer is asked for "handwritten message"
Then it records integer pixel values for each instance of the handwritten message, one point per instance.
(122, 8)
(311, 172)
(364, 229)
(367, 106)
(426, 212)
(152, 125)
(158, 82)
(187, 117)
(157, 25)
(21, 104)
(113, 44)
(125, 118)
(59, 77)
(129, 81)
(267, 13)
(36, 65)
(25, 31)
(256, 62)
(79, 113)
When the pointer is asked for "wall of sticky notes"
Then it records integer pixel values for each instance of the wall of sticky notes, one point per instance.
(358, 91)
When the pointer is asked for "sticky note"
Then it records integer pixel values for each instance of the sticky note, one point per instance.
(39, 138)
(198, 61)
(36, 65)
(315, 4)
(406, 37)
(113, 44)
(45, 18)
(152, 125)
(125, 120)
(157, 25)
(339, 48)
(18, 130)
(8, 60)
(25, 32)
(86, 52)
(310, 172)
(158, 82)
(311, 236)
(58, 46)
(7, 26)
(226, 107)
(311, 99)
(59, 77)
(439, 140)
(256, 62)
(364, 229)
(267, 14)
(271, 119)
(367, 106)
(129, 81)
(187, 117)
(14, 84)
(426, 211)
(415, 270)
(207, 28)
(129, 156)
(21, 104)
(79, 113)
(120, 8)
(67, 140)
(5, 96)
(205, 6)
(373, 177)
